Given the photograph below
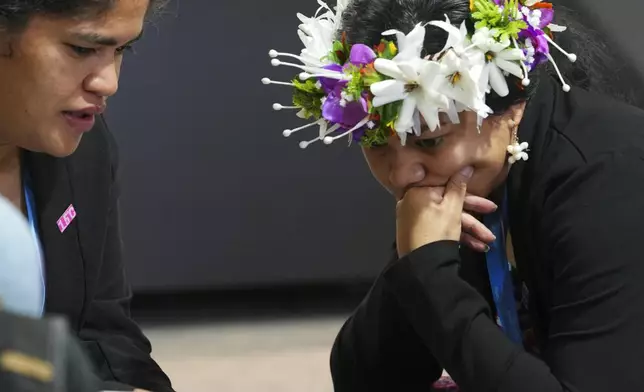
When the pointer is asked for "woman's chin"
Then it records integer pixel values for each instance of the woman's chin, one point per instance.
(61, 148)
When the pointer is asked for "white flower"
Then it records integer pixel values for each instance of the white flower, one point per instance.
(459, 81)
(532, 16)
(530, 52)
(555, 28)
(412, 82)
(340, 6)
(409, 46)
(518, 152)
(484, 39)
(501, 59)
(317, 33)
(457, 37)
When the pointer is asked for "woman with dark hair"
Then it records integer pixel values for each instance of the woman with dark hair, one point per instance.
(448, 98)
(59, 62)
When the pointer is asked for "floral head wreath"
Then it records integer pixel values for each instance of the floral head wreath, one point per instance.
(368, 94)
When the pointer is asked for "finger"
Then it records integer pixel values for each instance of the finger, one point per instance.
(473, 203)
(435, 195)
(479, 204)
(477, 229)
(473, 243)
(457, 188)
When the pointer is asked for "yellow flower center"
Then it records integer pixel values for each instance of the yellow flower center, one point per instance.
(454, 78)
(410, 87)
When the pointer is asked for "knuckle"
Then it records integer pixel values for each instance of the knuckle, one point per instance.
(456, 183)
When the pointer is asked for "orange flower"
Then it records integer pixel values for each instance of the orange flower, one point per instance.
(542, 4)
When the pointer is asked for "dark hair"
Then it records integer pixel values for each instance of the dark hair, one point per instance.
(596, 67)
(14, 14)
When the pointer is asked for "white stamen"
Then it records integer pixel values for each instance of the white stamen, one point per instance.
(305, 144)
(289, 132)
(565, 86)
(571, 56)
(277, 106)
(338, 76)
(330, 130)
(268, 81)
(526, 80)
(277, 63)
(334, 128)
(329, 139)
(274, 53)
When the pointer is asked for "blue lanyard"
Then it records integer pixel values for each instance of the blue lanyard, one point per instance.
(498, 268)
(33, 224)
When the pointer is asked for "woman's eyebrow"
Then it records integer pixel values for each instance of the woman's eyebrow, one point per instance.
(99, 39)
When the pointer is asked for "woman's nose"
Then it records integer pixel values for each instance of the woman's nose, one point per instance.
(406, 169)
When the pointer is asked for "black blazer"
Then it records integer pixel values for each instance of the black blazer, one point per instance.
(577, 225)
(85, 275)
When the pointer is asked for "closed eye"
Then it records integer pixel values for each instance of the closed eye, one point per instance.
(429, 143)
(81, 50)
(85, 51)
(125, 48)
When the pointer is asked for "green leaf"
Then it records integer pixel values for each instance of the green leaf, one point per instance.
(308, 86)
(374, 137)
(390, 50)
(355, 87)
(307, 96)
(371, 77)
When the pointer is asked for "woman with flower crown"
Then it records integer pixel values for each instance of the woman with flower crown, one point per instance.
(448, 99)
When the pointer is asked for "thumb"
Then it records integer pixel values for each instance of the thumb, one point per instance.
(456, 188)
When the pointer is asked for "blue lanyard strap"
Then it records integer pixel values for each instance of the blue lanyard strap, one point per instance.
(33, 224)
(498, 268)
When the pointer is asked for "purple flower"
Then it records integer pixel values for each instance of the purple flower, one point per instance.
(358, 134)
(329, 84)
(361, 55)
(539, 44)
(337, 109)
(547, 15)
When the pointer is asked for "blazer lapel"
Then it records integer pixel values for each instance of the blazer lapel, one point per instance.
(64, 270)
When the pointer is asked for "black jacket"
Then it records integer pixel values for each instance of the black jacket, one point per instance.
(577, 225)
(84, 271)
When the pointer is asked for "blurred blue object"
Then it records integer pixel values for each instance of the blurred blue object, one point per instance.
(20, 264)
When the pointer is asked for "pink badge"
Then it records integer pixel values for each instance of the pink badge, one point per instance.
(67, 218)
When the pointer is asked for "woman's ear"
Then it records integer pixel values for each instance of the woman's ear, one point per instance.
(515, 113)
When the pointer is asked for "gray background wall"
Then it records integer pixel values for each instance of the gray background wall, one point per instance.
(213, 195)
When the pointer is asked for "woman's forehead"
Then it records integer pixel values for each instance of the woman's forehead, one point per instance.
(123, 21)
